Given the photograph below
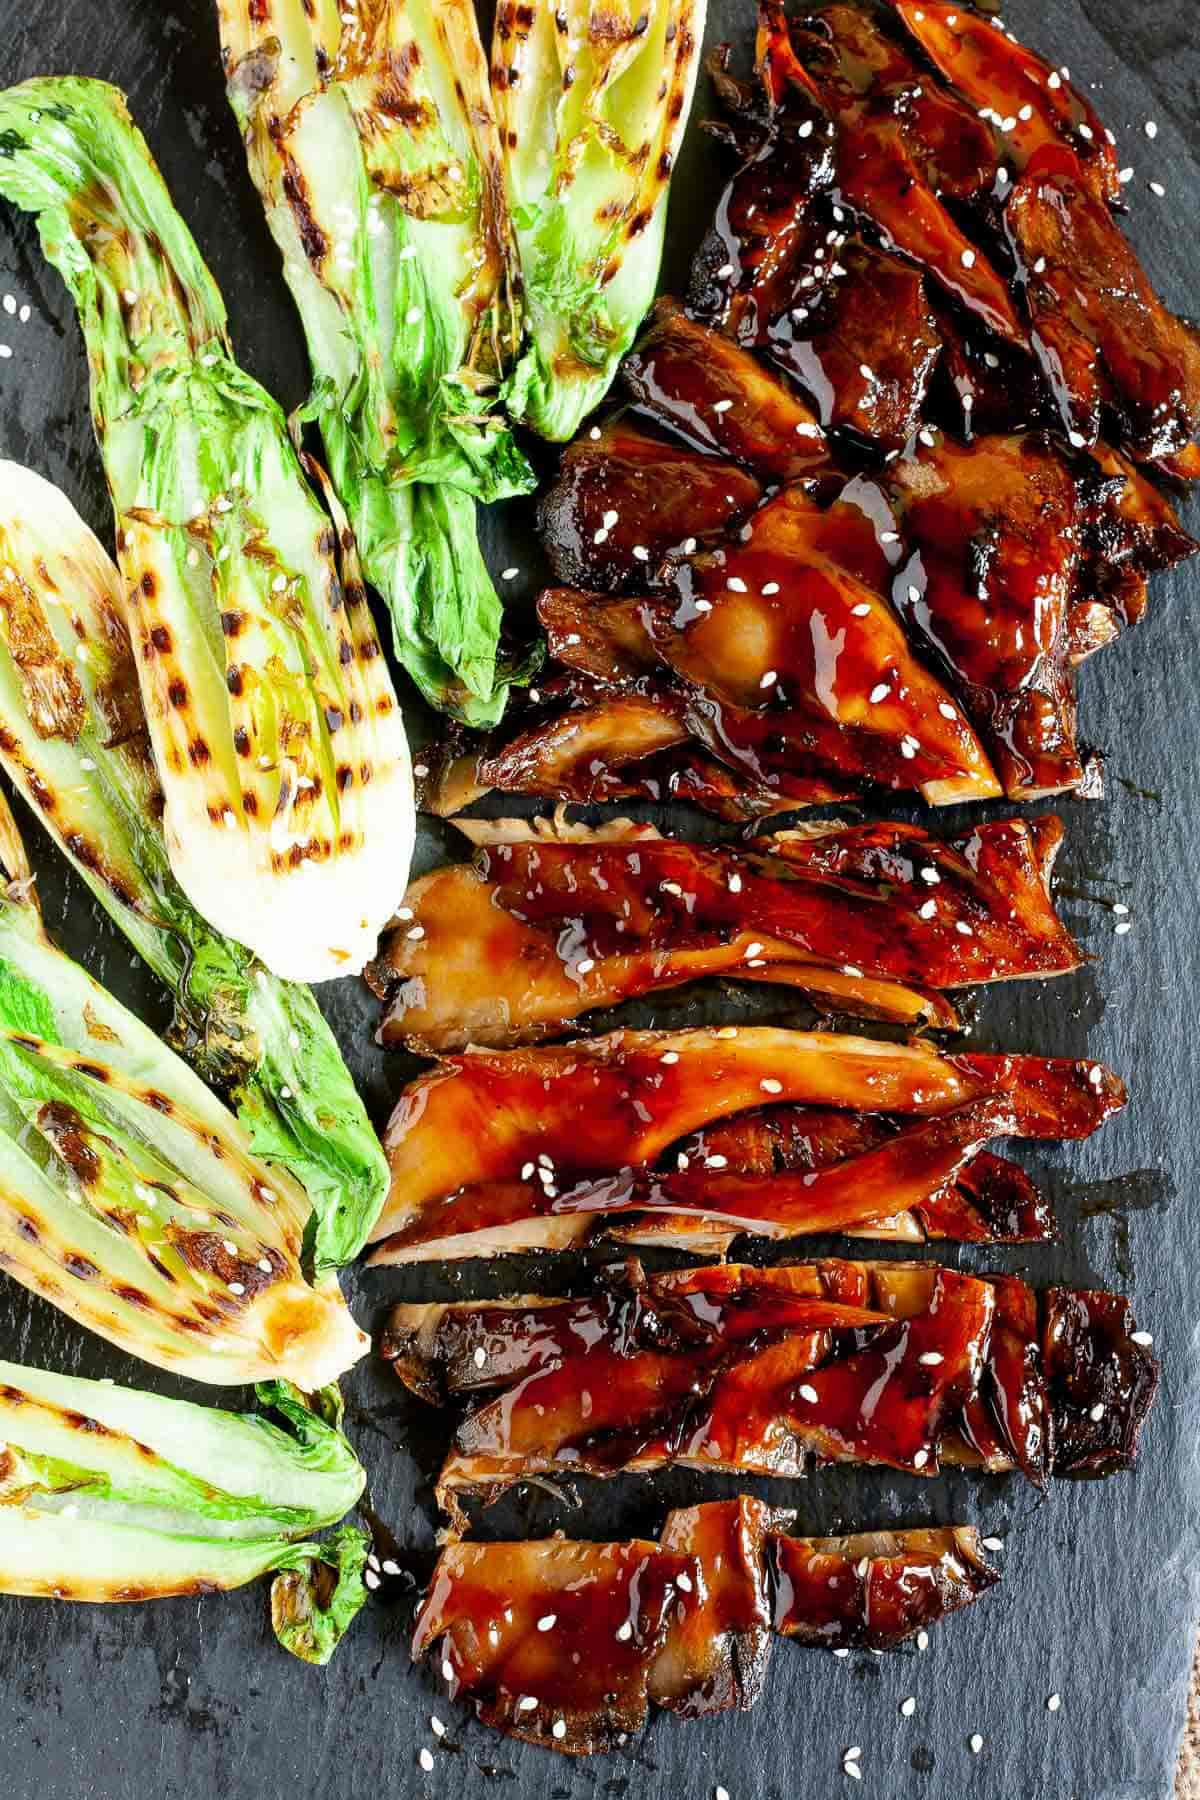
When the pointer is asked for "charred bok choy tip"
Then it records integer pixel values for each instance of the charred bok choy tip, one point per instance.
(73, 741)
(130, 1197)
(370, 136)
(592, 102)
(108, 1493)
(278, 740)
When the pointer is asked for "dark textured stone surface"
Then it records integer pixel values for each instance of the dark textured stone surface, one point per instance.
(192, 1699)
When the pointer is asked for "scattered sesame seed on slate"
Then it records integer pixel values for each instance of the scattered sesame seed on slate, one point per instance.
(425, 1758)
(976, 1743)
(1054, 1702)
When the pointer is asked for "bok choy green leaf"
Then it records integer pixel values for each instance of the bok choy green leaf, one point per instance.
(591, 100)
(111, 1494)
(277, 737)
(130, 1197)
(370, 136)
(73, 740)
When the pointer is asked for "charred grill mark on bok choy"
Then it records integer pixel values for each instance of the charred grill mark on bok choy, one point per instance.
(592, 101)
(130, 1197)
(73, 740)
(370, 136)
(111, 1494)
(288, 816)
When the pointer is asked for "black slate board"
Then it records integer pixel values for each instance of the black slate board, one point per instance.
(191, 1700)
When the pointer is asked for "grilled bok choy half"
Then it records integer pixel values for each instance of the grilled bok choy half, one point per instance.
(592, 101)
(130, 1197)
(288, 812)
(370, 136)
(107, 1493)
(73, 741)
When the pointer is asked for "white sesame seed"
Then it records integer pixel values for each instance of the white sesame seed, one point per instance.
(1143, 1338)
(769, 679)
(920, 1459)
(415, 934)
(1157, 188)
(993, 1543)
(975, 1742)
(962, 928)
(228, 1245)
(909, 747)
(436, 1726)
(547, 1622)
(927, 438)
(1085, 131)
(1122, 927)
(684, 1581)
(266, 1265)
(24, 314)
(715, 1162)
(689, 546)
(559, 1728)
(736, 585)
(908, 1707)
(889, 537)
(1119, 907)
(624, 1632)
(509, 574)
(946, 710)
(702, 606)
(753, 950)
(237, 1287)
(841, 1653)
(1151, 129)
(425, 1758)
(1054, 79)
(722, 406)
(727, 1031)
(854, 973)
(922, 1640)
(594, 434)
(770, 587)
(447, 1669)
(968, 259)
(878, 692)
(931, 1358)
(866, 371)
(808, 1392)
(585, 966)
(735, 884)
(931, 876)
(771, 1086)
(720, 1793)
(1054, 1702)
(1096, 1413)
(861, 610)
(927, 909)
(480, 1357)
(1125, 175)
(852, 1770)
(669, 1056)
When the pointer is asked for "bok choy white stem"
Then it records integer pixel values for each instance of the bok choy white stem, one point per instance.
(73, 740)
(592, 100)
(275, 730)
(370, 136)
(130, 1197)
(111, 1494)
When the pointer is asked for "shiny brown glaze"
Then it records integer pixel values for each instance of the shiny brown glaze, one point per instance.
(895, 128)
(719, 398)
(1108, 346)
(874, 1590)
(566, 1644)
(723, 1369)
(602, 1105)
(994, 539)
(1024, 98)
(876, 920)
(794, 661)
(865, 350)
(623, 501)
